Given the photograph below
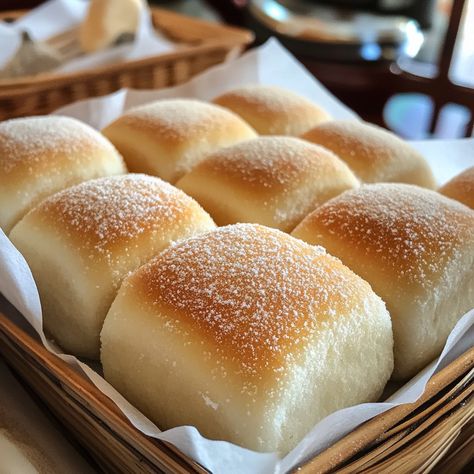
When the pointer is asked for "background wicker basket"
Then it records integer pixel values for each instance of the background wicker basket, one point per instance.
(202, 44)
(411, 438)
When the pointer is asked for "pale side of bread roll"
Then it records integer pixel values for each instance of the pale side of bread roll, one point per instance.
(461, 188)
(106, 20)
(167, 138)
(248, 334)
(81, 242)
(273, 181)
(416, 248)
(373, 153)
(42, 155)
(271, 110)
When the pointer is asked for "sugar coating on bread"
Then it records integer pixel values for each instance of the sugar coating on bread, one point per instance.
(236, 326)
(416, 249)
(272, 110)
(167, 138)
(461, 188)
(42, 155)
(273, 181)
(81, 242)
(373, 153)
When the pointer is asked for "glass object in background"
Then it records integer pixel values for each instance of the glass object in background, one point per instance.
(409, 115)
(462, 67)
(424, 63)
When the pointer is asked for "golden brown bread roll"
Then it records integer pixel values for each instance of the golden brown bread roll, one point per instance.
(373, 153)
(81, 242)
(416, 248)
(273, 181)
(167, 138)
(461, 188)
(106, 20)
(271, 110)
(248, 334)
(42, 155)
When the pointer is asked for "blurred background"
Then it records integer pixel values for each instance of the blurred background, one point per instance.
(404, 64)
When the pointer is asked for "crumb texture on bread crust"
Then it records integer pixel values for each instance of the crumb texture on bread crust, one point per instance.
(167, 138)
(250, 335)
(273, 181)
(373, 153)
(272, 110)
(81, 242)
(416, 248)
(461, 188)
(42, 155)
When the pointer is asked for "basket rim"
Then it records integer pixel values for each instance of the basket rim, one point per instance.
(222, 36)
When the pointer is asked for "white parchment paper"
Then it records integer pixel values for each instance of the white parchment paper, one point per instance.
(67, 15)
(269, 64)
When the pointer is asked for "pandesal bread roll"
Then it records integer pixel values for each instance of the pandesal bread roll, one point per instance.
(373, 153)
(42, 155)
(248, 334)
(461, 188)
(271, 110)
(167, 138)
(106, 21)
(415, 248)
(273, 181)
(81, 242)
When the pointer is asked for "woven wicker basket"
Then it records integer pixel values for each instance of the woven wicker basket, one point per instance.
(436, 430)
(202, 44)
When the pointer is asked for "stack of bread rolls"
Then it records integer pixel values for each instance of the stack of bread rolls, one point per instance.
(246, 332)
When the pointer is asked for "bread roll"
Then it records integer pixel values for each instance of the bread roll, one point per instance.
(42, 155)
(249, 335)
(461, 188)
(373, 153)
(416, 248)
(80, 243)
(271, 110)
(106, 20)
(274, 181)
(168, 137)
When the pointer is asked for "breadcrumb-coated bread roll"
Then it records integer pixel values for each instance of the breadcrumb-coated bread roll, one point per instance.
(416, 248)
(42, 155)
(167, 138)
(272, 110)
(373, 153)
(81, 242)
(273, 181)
(106, 20)
(461, 188)
(248, 334)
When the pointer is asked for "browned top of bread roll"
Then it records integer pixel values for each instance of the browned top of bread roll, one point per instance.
(272, 110)
(250, 290)
(42, 155)
(179, 119)
(273, 181)
(49, 144)
(101, 214)
(461, 188)
(167, 138)
(411, 232)
(374, 154)
(270, 164)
